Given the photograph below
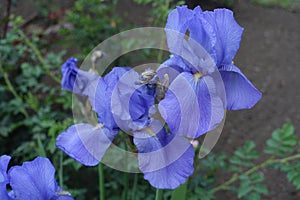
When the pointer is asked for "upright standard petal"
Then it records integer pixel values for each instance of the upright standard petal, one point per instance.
(34, 180)
(240, 92)
(4, 160)
(176, 27)
(203, 34)
(178, 19)
(165, 159)
(69, 72)
(228, 34)
(192, 105)
(85, 143)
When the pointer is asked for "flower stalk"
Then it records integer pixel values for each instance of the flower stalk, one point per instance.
(158, 194)
(11, 88)
(101, 182)
(39, 56)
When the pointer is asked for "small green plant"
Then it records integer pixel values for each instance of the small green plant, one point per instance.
(247, 180)
(93, 21)
(33, 107)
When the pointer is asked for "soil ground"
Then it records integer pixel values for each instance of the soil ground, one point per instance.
(269, 57)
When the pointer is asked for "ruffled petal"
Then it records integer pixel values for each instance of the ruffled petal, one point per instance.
(85, 143)
(176, 27)
(76, 80)
(192, 107)
(228, 34)
(69, 72)
(33, 180)
(103, 96)
(179, 18)
(203, 34)
(240, 92)
(4, 160)
(165, 159)
(191, 37)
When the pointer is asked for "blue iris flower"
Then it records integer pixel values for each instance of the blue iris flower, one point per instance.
(33, 180)
(85, 142)
(220, 35)
(187, 88)
(123, 101)
(200, 40)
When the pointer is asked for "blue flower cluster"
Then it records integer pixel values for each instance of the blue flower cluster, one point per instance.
(183, 92)
(33, 180)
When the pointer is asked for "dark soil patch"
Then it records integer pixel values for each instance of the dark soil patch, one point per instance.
(269, 56)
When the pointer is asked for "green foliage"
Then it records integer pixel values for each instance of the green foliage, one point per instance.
(160, 10)
(245, 165)
(243, 157)
(251, 187)
(33, 107)
(93, 21)
(283, 141)
(293, 173)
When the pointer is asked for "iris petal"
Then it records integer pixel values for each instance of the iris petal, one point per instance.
(76, 80)
(103, 96)
(69, 71)
(33, 180)
(177, 23)
(240, 92)
(4, 160)
(85, 143)
(192, 107)
(203, 33)
(165, 159)
(228, 34)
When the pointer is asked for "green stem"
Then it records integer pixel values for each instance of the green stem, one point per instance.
(266, 163)
(158, 194)
(134, 188)
(126, 178)
(180, 192)
(125, 192)
(101, 182)
(11, 88)
(39, 55)
(42, 151)
(60, 172)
